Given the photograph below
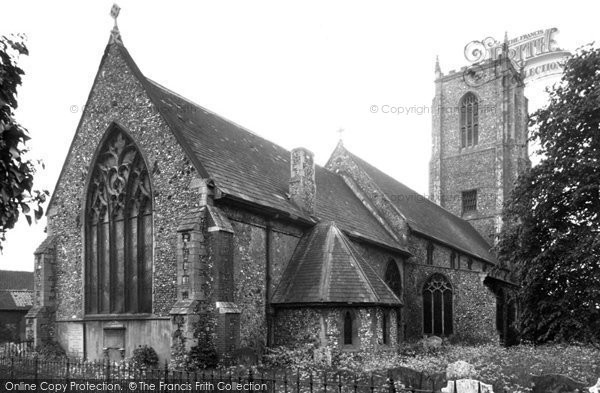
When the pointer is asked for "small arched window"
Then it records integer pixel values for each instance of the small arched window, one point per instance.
(385, 330)
(469, 120)
(430, 253)
(118, 230)
(437, 306)
(348, 328)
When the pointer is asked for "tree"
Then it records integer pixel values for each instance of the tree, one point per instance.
(16, 172)
(551, 235)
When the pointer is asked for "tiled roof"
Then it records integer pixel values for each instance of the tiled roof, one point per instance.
(326, 269)
(251, 168)
(16, 299)
(15, 280)
(428, 218)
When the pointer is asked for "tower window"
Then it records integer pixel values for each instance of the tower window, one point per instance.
(469, 120)
(437, 306)
(469, 201)
(453, 260)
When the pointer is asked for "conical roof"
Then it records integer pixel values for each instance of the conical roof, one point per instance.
(325, 268)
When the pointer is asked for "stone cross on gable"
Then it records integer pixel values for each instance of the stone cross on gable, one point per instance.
(115, 34)
(114, 12)
(341, 132)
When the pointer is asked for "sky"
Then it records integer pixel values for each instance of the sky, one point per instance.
(294, 72)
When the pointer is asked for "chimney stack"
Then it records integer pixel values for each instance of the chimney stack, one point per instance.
(303, 188)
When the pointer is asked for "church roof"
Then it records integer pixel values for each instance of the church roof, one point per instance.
(248, 168)
(427, 217)
(255, 170)
(326, 269)
(10, 279)
(16, 300)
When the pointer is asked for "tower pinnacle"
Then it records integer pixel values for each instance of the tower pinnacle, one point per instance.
(438, 70)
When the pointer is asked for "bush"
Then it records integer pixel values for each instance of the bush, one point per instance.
(202, 357)
(145, 357)
(469, 339)
(50, 350)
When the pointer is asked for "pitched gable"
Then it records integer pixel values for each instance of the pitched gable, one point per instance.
(422, 215)
(325, 269)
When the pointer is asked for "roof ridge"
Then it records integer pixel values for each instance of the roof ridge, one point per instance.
(368, 266)
(358, 264)
(418, 193)
(328, 252)
(457, 222)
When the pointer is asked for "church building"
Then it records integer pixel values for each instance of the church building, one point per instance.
(173, 227)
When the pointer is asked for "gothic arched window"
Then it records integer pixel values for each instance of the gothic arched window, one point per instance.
(348, 327)
(437, 306)
(393, 279)
(430, 253)
(385, 330)
(469, 120)
(118, 230)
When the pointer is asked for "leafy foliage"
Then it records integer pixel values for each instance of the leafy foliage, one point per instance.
(145, 357)
(16, 172)
(552, 233)
(202, 357)
(50, 351)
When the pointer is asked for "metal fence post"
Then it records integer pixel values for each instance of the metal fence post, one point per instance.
(391, 387)
(35, 372)
(108, 370)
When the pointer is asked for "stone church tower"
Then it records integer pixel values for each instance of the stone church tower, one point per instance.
(479, 141)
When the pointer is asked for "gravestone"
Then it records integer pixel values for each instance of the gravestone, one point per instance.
(74, 335)
(460, 370)
(467, 386)
(595, 388)
(431, 342)
(554, 383)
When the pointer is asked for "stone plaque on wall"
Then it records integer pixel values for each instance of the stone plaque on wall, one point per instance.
(75, 339)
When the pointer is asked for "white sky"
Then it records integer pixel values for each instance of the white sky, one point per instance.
(293, 72)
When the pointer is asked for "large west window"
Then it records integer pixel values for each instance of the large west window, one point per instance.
(469, 120)
(118, 230)
(437, 306)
